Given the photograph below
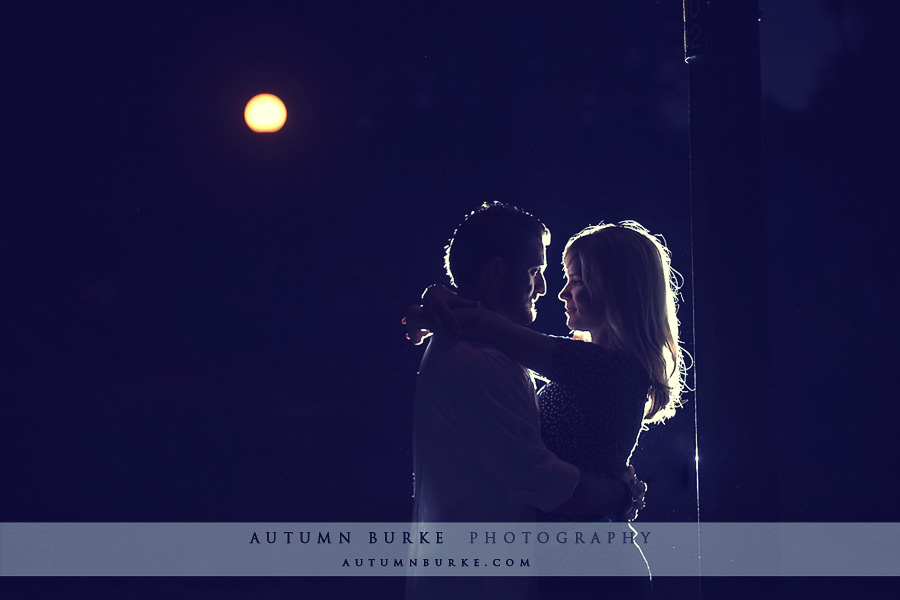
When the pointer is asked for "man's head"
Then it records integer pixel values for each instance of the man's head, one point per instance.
(497, 256)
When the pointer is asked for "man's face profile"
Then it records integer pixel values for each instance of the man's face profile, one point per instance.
(524, 284)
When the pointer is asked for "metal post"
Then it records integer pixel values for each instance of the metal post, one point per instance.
(737, 443)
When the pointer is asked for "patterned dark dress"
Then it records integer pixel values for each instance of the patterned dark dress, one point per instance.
(592, 408)
(591, 414)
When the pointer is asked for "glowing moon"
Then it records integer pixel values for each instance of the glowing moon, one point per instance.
(265, 113)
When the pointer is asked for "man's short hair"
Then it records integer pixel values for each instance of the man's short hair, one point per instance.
(493, 229)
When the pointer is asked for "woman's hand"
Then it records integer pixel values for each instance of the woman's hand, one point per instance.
(442, 310)
(439, 303)
(417, 330)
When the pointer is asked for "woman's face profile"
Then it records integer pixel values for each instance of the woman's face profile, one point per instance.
(581, 313)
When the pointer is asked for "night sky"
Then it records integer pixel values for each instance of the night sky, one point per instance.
(202, 322)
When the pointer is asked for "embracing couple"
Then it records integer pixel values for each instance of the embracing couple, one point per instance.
(486, 447)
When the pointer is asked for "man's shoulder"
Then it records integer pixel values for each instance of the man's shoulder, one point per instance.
(464, 348)
(469, 354)
(463, 374)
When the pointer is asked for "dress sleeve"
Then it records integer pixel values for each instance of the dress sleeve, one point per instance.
(575, 362)
(496, 410)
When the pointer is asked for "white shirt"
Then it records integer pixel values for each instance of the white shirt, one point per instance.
(478, 453)
(478, 456)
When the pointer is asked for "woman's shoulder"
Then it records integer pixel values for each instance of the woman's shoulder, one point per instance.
(568, 345)
(580, 359)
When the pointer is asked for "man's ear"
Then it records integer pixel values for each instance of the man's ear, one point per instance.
(495, 271)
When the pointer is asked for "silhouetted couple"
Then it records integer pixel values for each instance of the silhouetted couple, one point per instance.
(486, 448)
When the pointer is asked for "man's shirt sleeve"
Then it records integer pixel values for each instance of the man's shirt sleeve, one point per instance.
(495, 408)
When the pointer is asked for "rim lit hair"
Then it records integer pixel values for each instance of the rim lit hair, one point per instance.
(493, 229)
(628, 274)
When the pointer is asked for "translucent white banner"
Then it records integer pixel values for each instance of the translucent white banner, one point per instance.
(458, 549)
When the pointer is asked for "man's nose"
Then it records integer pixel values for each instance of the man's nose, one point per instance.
(540, 284)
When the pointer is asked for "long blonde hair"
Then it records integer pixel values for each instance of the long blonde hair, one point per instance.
(628, 274)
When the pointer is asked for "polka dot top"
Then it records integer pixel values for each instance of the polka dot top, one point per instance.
(593, 406)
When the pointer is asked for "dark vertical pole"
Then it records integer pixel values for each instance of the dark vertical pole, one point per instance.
(737, 444)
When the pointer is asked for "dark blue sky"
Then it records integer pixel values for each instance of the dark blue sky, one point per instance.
(205, 320)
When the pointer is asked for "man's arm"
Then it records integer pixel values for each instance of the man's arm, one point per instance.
(498, 414)
(595, 495)
(492, 401)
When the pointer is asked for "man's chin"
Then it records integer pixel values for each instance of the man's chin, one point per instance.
(524, 317)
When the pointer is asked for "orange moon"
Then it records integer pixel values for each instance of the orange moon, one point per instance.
(265, 113)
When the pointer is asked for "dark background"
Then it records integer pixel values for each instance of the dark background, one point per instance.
(202, 322)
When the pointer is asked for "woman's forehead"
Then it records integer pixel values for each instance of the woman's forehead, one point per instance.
(571, 261)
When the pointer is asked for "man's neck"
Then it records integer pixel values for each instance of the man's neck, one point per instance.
(487, 299)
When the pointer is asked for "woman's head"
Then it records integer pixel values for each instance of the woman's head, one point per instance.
(628, 298)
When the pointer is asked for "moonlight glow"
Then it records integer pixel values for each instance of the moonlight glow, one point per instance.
(265, 113)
